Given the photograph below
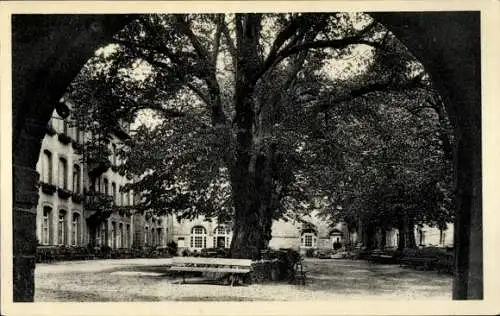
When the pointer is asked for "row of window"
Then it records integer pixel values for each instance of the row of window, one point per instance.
(119, 238)
(120, 198)
(153, 237)
(74, 132)
(62, 172)
(57, 233)
(61, 237)
(221, 238)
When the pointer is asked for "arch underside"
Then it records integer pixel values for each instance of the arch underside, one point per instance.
(48, 52)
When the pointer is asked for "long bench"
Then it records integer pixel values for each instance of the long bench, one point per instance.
(382, 257)
(235, 269)
(427, 263)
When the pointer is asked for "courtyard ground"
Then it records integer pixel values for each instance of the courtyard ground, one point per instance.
(123, 280)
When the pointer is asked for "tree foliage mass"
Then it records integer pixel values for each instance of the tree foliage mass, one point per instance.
(271, 116)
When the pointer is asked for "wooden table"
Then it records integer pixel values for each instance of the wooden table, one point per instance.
(235, 268)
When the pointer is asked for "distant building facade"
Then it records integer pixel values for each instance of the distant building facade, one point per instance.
(425, 236)
(311, 233)
(197, 234)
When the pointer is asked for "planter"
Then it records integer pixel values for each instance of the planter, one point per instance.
(76, 146)
(63, 193)
(50, 130)
(77, 198)
(98, 168)
(65, 139)
(119, 132)
(48, 188)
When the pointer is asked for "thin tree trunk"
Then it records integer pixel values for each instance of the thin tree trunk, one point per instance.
(368, 236)
(410, 233)
(383, 237)
(402, 235)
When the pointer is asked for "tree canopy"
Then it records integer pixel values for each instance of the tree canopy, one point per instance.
(266, 116)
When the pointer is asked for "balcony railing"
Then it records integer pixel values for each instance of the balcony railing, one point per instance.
(98, 167)
(76, 146)
(48, 188)
(63, 138)
(63, 193)
(97, 206)
(77, 198)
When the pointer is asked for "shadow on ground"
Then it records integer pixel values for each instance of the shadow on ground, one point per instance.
(150, 280)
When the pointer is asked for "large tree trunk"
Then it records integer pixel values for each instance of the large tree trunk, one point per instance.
(406, 227)
(252, 198)
(383, 237)
(250, 172)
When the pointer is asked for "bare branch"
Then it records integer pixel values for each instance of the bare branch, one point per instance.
(216, 43)
(179, 76)
(274, 57)
(198, 92)
(415, 110)
(170, 113)
(186, 29)
(230, 43)
(340, 43)
(416, 82)
(214, 100)
(229, 40)
(289, 31)
(174, 56)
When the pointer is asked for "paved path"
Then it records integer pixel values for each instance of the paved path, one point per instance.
(144, 280)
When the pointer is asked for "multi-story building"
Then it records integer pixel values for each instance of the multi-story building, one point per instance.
(63, 215)
(60, 214)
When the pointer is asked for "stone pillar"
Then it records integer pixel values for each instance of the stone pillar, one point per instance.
(69, 227)
(109, 235)
(164, 236)
(25, 199)
(38, 222)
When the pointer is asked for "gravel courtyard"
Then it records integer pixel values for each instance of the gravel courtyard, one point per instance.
(144, 280)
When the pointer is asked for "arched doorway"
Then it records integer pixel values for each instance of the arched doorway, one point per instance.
(454, 66)
(336, 239)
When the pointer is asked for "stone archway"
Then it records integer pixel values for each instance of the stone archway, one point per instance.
(48, 51)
